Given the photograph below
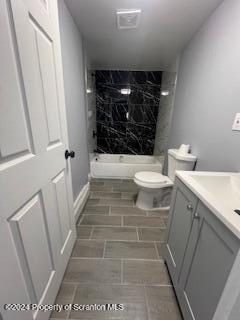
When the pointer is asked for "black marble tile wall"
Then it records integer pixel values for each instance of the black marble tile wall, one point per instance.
(127, 123)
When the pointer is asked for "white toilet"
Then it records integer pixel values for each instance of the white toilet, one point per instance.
(155, 188)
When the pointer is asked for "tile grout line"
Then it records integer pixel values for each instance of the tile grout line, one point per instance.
(121, 271)
(113, 258)
(137, 234)
(91, 233)
(104, 248)
(146, 301)
(120, 240)
(113, 283)
(118, 225)
(155, 245)
(72, 300)
(118, 205)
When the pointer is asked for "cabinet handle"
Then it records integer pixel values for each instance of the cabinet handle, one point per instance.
(190, 207)
(196, 215)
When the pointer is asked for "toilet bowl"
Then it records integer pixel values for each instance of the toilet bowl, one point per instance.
(150, 185)
(154, 188)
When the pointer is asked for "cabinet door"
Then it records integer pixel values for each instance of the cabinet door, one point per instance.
(183, 206)
(208, 261)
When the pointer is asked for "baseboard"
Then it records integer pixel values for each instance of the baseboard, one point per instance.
(81, 200)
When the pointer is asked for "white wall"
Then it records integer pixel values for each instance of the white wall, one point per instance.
(74, 84)
(208, 92)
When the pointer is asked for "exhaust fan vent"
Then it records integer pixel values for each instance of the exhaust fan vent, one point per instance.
(128, 19)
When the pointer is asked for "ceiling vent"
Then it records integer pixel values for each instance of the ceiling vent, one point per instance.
(128, 19)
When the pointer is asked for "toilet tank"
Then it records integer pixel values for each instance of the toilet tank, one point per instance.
(178, 161)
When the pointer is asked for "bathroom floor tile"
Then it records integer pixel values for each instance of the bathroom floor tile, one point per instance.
(65, 296)
(143, 221)
(114, 233)
(93, 271)
(117, 258)
(160, 249)
(132, 298)
(83, 232)
(113, 185)
(158, 213)
(88, 248)
(129, 195)
(96, 183)
(125, 187)
(162, 303)
(145, 272)
(109, 181)
(124, 211)
(95, 209)
(105, 195)
(101, 220)
(92, 202)
(100, 188)
(130, 250)
(151, 234)
(116, 202)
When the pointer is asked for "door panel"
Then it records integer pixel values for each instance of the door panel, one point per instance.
(37, 230)
(15, 131)
(48, 76)
(33, 241)
(23, 36)
(62, 206)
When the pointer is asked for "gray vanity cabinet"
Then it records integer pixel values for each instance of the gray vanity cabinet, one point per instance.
(183, 205)
(207, 251)
(208, 261)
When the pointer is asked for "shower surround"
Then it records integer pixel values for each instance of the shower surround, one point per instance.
(126, 123)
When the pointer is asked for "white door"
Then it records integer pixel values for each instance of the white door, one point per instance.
(36, 207)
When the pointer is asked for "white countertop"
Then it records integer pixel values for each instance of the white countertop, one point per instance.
(219, 191)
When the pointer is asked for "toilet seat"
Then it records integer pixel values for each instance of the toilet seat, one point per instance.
(152, 180)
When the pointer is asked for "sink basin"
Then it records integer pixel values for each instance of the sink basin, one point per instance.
(219, 191)
(225, 188)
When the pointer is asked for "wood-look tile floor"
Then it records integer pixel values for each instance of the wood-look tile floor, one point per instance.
(117, 258)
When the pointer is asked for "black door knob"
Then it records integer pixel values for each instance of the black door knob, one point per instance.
(69, 154)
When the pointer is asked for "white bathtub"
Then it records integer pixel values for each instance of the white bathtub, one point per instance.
(123, 166)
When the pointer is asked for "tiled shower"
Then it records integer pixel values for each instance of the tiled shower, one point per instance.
(126, 123)
(136, 123)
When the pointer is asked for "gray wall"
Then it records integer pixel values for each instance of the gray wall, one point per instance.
(74, 84)
(208, 92)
